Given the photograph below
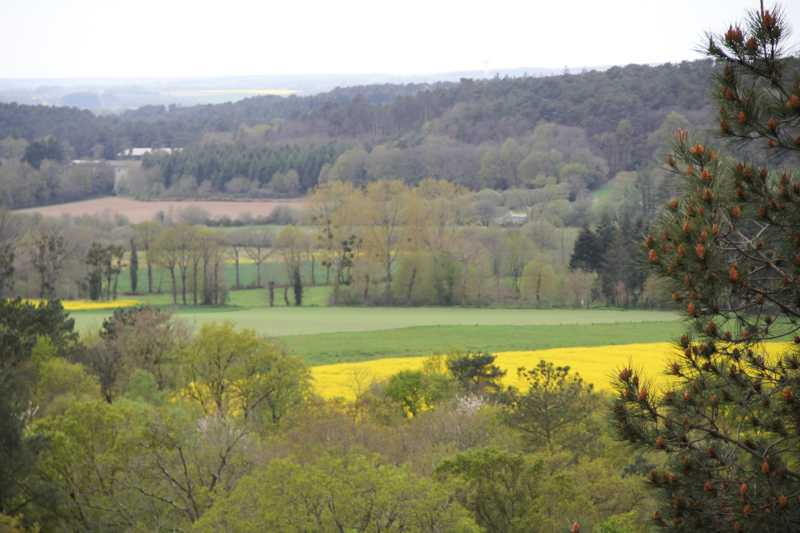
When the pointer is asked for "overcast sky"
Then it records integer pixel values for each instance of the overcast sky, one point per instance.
(111, 38)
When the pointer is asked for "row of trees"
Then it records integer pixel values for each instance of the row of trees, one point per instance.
(383, 244)
(389, 243)
(52, 181)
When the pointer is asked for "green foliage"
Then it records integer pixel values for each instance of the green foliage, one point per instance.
(240, 375)
(555, 403)
(130, 466)
(59, 383)
(354, 492)
(23, 329)
(418, 390)
(143, 387)
(145, 338)
(502, 489)
(476, 372)
(15, 524)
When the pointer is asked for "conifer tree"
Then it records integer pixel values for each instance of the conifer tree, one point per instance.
(583, 253)
(728, 421)
(134, 266)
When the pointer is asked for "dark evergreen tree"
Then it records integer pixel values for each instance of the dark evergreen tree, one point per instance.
(134, 266)
(604, 234)
(95, 258)
(41, 149)
(477, 372)
(297, 285)
(619, 267)
(728, 424)
(20, 326)
(584, 250)
(7, 256)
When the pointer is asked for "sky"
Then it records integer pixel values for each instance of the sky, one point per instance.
(179, 38)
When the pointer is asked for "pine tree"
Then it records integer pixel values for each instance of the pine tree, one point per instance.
(728, 422)
(619, 268)
(584, 250)
(297, 285)
(134, 266)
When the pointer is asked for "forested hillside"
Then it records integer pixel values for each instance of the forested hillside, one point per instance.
(480, 134)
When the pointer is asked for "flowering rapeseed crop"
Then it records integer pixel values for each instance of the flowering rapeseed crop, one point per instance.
(598, 365)
(89, 305)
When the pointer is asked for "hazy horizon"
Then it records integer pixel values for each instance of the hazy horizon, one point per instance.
(52, 39)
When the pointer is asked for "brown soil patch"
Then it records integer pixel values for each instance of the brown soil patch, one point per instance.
(138, 211)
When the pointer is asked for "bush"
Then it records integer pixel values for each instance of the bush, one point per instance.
(284, 215)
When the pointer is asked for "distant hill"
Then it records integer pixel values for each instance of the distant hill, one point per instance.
(119, 94)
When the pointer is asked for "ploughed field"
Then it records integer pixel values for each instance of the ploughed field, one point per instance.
(138, 211)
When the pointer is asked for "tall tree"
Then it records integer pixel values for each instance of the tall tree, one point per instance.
(334, 208)
(388, 207)
(257, 244)
(48, 254)
(134, 265)
(238, 374)
(146, 233)
(20, 324)
(727, 424)
(445, 207)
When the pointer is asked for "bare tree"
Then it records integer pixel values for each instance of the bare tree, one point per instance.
(257, 243)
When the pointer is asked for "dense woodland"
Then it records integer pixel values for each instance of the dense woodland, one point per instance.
(479, 134)
(144, 426)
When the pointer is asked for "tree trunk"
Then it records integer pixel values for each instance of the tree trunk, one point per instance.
(194, 284)
(174, 287)
(464, 283)
(286, 295)
(271, 293)
(411, 284)
(183, 284)
(216, 283)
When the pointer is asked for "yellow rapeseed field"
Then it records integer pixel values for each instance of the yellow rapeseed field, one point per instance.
(89, 305)
(597, 365)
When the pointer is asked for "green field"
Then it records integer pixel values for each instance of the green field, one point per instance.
(329, 348)
(324, 335)
(274, 268)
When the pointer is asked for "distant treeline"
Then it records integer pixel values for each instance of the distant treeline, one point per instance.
(470, 111)
(221, 163)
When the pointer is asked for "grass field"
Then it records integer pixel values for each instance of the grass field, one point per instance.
(243, 299)
(274, 268)
(328, 348)
(324, 335)
(282, 321)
